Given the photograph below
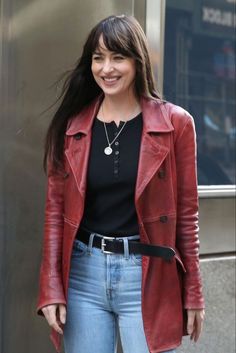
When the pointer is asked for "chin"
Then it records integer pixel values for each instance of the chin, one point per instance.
(113, 92)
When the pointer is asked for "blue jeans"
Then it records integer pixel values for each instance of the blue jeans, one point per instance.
(104, 295)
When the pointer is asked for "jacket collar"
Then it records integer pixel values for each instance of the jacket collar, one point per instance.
(155, 118)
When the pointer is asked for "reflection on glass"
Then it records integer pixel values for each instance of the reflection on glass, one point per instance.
(200, 76)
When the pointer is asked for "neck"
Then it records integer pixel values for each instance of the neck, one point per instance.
(120, 108)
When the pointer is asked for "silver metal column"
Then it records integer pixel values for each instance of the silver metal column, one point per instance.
(155, 31)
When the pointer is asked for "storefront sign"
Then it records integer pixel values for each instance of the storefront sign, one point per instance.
(219, 17)
(215, 16)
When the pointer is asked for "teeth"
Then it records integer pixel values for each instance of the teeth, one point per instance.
(110, 79)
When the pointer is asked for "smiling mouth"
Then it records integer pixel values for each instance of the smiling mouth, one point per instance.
(110, 79)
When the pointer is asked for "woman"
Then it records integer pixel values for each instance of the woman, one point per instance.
(121, 219)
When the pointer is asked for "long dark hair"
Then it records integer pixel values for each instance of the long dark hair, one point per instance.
(121, 34)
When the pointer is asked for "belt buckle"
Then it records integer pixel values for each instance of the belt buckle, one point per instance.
(103, 245)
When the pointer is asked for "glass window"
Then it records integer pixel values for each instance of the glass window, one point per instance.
(199, 75)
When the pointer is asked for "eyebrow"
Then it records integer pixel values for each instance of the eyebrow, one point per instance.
(97, 53)
(113, 53)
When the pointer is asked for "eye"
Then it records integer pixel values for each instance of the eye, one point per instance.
(97, 57)
(119, 57)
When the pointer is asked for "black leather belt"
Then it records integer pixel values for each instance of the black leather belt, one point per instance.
(112, 245)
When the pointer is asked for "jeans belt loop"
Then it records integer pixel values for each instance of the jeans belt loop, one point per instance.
(90, 244)
(126, 248)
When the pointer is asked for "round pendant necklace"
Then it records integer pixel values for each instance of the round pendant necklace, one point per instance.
(108, 150)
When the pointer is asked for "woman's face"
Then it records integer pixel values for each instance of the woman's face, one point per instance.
(113, 72)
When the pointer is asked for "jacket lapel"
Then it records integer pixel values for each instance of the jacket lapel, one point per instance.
(77, 153)
(155, 143)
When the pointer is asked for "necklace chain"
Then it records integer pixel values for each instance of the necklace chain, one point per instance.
(110, 143)
(108, 150)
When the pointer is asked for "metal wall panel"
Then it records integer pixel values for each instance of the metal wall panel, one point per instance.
(39, 40)
(217, 226)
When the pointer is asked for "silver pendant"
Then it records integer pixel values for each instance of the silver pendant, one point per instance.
(108, 150)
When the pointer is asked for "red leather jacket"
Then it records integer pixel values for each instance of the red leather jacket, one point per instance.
(166, 201)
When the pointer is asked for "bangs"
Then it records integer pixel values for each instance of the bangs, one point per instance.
(116, 37)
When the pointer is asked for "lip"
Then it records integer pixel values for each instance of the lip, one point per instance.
(110, 78)
(110, 81)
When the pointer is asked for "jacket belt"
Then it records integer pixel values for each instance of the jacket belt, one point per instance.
(114, 245)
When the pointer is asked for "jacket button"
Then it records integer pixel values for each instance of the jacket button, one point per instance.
(161, 174)
(66, 175)
(78, 136)
(163, 219)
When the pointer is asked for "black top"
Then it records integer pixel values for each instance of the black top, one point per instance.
(109, 203)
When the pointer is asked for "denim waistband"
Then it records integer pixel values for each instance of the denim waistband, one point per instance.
(135, 236)
(124, 239)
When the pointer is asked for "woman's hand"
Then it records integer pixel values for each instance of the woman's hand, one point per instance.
(195, 322)
(55, 315)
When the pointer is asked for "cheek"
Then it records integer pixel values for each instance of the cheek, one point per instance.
(131, 75)
(93, 73)
(131, 72)
(94, 69)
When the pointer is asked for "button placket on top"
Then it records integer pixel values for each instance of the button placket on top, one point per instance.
(116, 148)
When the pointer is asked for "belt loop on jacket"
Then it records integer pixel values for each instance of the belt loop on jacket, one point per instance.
(90, 244)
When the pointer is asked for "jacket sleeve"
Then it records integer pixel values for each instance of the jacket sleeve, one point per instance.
(187, 214)
(50, 278)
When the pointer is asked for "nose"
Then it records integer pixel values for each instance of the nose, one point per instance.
(107, 66)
